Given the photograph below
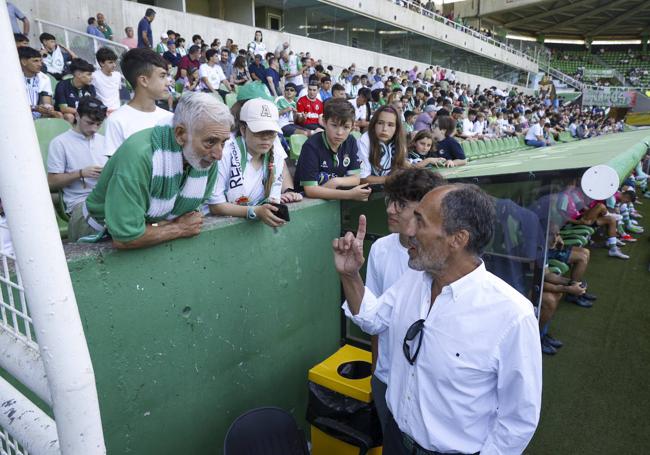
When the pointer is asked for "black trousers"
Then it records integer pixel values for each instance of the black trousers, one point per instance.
(393, 443)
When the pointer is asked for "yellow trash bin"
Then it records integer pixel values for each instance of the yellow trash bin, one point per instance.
(342, 416)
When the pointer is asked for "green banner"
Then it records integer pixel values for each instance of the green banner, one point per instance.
(599, 73)
(614, 98)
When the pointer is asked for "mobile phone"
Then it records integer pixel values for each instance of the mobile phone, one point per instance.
(282, 212)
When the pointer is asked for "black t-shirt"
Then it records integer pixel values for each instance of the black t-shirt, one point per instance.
(68, 95)
(450, 149)
(317, 162)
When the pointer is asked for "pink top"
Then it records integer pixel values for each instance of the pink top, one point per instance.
(131, 43)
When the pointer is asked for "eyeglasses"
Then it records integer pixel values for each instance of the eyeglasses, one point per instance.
(289, 89)
(414, 331)
(399, 204)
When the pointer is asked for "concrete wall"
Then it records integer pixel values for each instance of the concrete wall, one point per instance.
(404, 18)
(470, 8)
(120, 13)
(186, 336)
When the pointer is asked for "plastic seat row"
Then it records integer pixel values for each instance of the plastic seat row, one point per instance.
(487, 148)
(297, 140)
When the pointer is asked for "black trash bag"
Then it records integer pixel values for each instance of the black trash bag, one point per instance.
(344, 418)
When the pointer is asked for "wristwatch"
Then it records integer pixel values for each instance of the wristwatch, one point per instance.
(250, 213)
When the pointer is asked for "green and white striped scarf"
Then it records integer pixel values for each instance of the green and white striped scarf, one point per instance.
(170, 196)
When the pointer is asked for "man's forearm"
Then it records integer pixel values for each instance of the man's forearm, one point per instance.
(353, 288)
(153, 235)
(59, 181)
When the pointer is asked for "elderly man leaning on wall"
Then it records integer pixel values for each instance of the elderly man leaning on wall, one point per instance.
(150, 191)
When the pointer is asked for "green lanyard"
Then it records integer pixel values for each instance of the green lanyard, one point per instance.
(244, 160)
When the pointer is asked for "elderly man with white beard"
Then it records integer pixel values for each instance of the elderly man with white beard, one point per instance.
(151, 190)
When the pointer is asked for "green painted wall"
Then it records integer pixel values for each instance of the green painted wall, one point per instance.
(186, 336)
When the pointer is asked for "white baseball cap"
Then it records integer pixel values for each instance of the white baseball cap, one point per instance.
(260, 115)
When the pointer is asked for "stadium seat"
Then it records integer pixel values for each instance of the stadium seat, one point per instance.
(355, 134)
(476, 154)
(467, 149)
(46, 130)
(231, 99)
(295, 145)
(558, 265)
(482, 149)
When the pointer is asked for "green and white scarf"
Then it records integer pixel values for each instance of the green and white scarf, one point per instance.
(170, 196)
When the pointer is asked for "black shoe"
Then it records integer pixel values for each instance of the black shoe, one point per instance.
(578, 301)
(548, 349)
(587, 296)
(548, 339)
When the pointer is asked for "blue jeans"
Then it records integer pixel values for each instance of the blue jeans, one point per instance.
(535, 143)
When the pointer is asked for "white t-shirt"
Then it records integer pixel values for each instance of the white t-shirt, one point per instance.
(534, 131)
(231, 186)
(387, 261)
(360, 112)
(214, 75)
(363, 153)
(126, 121)
(293, 67)
(257, 48)
(108, 88)
(35, 86)
(72, 151)
(468, 128)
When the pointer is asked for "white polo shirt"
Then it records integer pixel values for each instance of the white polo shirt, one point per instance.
(72, 151)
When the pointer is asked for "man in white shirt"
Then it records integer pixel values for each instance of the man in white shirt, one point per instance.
(388, 260)
(106, 80)
(535, 134)
(361, 109)
(75, 158)
(468, 126)
(146, 71)
(211, 75)
(37, 84)
(465, 371)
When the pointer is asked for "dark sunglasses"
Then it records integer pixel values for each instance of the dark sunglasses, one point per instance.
(99, 106)
(414, 331)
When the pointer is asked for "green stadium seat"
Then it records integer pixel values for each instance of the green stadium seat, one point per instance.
(482, 149)
(500, 146)
(559, 265)
(467, 150)
(356, 135)
(476, 153)
(46, 130)
(231, 99)
(295, 145)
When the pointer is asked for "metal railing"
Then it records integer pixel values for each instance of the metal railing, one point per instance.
(82, 44)
(420, 9)
(42, 343)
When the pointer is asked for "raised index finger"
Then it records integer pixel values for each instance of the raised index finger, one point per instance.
(361, 230)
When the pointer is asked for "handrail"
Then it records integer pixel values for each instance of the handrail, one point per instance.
(425, 12)
(66, 29)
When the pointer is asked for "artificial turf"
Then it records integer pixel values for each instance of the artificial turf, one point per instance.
(596, 395)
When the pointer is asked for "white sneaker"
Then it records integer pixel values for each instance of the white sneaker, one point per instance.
(617, 253)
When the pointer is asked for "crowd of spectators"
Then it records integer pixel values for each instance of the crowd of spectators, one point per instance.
(358, 126)
(175, 152)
